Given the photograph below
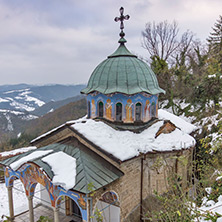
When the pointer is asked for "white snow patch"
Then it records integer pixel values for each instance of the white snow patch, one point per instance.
(208, 190)
(3, 100)
(188, 119)
(212, 76)
(18, 97)
(36, 154)
(11, 111)
(211, 206)
(35, 100)
(179, 122)
(16, 151)
(47, 133)
(29, 117)
(26, 92)
(20, 106)
(64, 169)
(18, 90)
(51, 110)
(218, 178)
(10, 125)
(216, 137)
(209, 121)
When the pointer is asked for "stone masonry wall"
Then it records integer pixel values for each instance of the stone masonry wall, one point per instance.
(156, 170)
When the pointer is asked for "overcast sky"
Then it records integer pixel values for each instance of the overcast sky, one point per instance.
(62, 41)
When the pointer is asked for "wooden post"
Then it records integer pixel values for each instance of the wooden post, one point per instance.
(10, 201)
(56, 214)
(31, 212)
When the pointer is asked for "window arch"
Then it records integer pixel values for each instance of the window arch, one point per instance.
(109, 206)
(119, 111)
(138, 112)
(100, 109)
(153, 109)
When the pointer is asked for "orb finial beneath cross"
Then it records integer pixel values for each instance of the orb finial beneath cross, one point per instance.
(121, 19)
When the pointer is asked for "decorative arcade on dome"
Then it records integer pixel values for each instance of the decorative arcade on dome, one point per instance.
(123, 88)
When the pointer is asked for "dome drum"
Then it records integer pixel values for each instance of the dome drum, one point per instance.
(118, 107)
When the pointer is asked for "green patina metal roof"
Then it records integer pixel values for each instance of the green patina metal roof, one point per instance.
(123, 72)
(90, 168)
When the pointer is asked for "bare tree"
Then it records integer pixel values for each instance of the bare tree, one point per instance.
(160, 39)
(185, 45)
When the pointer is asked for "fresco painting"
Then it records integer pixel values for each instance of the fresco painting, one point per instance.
(110, 197)
(128, 102)
(129, 113)
(147, 111)
(108, 109)
(93, 108)
(30, 174)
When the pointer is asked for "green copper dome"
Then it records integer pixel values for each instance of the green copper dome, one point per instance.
(123, 72)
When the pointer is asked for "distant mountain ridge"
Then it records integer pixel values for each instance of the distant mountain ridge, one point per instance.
(25, 97)
(21, 103)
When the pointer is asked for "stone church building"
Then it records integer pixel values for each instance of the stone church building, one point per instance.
(110, 161)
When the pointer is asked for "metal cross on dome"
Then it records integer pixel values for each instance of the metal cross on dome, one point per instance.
(121, 19)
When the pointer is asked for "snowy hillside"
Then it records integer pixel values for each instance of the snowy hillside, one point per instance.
(29, 97)
(19, 103)
(23, 100)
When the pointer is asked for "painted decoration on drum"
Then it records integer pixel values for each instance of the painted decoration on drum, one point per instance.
(122, 107)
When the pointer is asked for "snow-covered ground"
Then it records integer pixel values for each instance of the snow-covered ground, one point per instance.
(19, 198)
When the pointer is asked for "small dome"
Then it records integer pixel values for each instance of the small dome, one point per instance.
(123, 72)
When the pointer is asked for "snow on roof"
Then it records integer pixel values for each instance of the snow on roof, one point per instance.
(17, 151)
(62, 164)
(176, 120)
(54, 129)
(125, 144)
(34, 155)
(47, 133)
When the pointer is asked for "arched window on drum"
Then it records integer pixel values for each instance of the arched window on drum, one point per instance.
(100, 109)
(153, 109)
(138, 112)
(119, 111)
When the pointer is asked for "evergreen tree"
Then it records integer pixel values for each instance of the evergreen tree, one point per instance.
(215, 46)
(215, 38)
